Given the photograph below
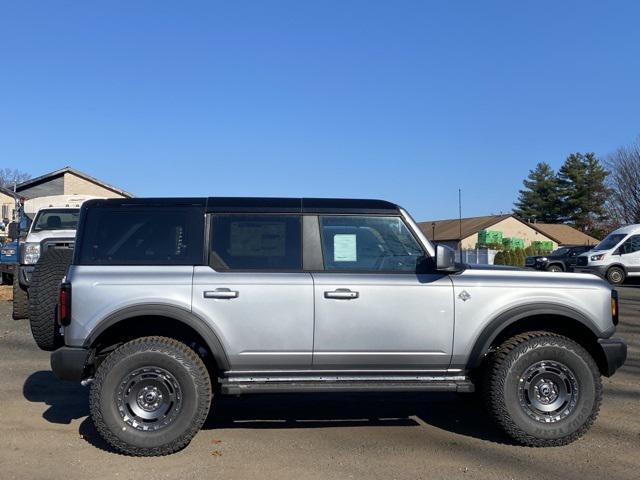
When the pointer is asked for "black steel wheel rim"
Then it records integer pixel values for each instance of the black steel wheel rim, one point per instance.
(149, 398)
(548, 391)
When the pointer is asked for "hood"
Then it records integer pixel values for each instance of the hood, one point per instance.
(37, 237)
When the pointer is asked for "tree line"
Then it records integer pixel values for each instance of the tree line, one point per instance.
(591, 195)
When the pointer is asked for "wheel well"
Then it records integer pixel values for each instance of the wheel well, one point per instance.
(561, 325)
(619, 265)
(559, 264)
(152, 325)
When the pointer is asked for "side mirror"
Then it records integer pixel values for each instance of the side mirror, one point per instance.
(445, 259)
(14, 231)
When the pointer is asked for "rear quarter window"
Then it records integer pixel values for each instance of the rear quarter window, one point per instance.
(142, 236)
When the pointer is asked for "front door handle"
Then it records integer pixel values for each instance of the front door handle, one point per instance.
(223, 293)
(341, 294)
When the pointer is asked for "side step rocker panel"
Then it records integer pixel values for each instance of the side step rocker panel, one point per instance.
(237, 386)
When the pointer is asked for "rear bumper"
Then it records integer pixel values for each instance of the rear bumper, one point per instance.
(69, 363)
(615, 354)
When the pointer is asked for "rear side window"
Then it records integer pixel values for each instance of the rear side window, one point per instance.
(256, 242)
(142, 236)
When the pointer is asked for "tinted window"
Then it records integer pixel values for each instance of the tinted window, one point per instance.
(256, 242)
(379, 244)
(142, 236)
(631, 245)
(56, 219)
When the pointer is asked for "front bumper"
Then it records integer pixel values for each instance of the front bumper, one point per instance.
(615, 354)
(69, 363)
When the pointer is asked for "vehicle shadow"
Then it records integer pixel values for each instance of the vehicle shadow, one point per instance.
(459, 414)
(67, 401)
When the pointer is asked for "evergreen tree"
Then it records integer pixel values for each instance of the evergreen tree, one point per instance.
(519, 257)
(583, 192)
(538, 201)
(498, 259)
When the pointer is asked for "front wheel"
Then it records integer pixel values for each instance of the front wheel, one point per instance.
(543, 389)
(150, 396)
(555, 268)
(616, 276)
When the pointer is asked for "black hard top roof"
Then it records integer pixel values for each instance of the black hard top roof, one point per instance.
(261, 205)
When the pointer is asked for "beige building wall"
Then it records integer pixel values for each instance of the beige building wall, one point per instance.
(74, 185)
(7, 206)
(510, 227)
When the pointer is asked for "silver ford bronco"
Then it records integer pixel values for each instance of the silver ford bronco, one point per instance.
(167, 300)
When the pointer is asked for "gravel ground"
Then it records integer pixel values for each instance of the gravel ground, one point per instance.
(45, 432)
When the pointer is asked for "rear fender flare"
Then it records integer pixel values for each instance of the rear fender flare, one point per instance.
(170, 311)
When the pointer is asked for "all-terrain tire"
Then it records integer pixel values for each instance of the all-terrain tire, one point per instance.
(507, 402)
(43, 297)
(616, 275)
(116, 395)
(20, 299)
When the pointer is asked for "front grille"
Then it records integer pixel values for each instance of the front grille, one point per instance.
(57, 244)
(582, 261)
(530, 261)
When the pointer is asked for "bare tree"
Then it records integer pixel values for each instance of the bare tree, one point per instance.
(624, 181)
(11, 176)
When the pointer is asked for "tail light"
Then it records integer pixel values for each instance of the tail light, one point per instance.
(64, 304)
(614, 307)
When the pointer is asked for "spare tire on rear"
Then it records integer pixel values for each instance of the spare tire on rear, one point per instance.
(43, 297)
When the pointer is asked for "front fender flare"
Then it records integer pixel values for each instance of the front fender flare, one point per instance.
(499, 323)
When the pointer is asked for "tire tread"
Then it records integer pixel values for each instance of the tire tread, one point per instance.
(499, 363)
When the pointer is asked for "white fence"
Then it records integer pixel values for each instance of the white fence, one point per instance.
(478, 256)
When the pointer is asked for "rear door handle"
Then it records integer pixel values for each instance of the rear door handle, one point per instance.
(341, 294)
(223, 293)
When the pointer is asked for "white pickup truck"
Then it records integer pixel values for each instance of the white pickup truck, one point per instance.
(53, 226)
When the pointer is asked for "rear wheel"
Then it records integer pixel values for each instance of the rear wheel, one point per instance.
(543, 389)
(150, 396)
(43, 297)
(20, 299)
(616, 275)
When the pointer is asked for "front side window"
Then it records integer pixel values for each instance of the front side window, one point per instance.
(56, 219)
(632, 245)
(369, 244)
(142, 236)
(256, 242)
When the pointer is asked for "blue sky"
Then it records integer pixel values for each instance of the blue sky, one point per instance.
(406, 101)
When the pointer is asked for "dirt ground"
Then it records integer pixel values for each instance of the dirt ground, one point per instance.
(45, 432)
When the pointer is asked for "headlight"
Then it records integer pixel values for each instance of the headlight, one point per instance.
(31, 253)
(595, 258)
(541, 259)
(8, 252)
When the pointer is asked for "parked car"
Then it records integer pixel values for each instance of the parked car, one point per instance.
(614, 258)
(562, 259)
(167, 300)
(8, 261)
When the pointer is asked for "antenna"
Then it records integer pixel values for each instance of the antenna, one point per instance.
(460, 211)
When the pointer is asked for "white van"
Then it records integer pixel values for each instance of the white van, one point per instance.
(614, 258)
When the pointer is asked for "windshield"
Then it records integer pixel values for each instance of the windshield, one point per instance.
(560, 251)
(56, 219)
(610, 241)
